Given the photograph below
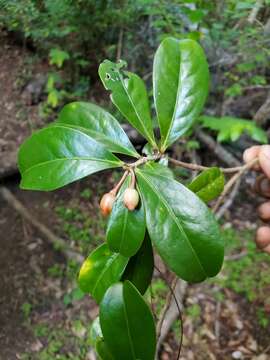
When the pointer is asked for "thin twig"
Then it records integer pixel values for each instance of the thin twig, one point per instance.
(197, 167)
(217, 323)
(167, 304)
(236, 256)
(120, 183)
(229, 201)
(255, 10)
(223, 154)
(151, 301)
(141, 161)
(263, 112)
(232, 181)
(120, 44)
(133, 179)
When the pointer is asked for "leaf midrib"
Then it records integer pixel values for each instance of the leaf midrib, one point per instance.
(109, 265)
(71, 159)
(176, 220)
(128, 330)
(127, 150)
(150, 138)
(175, 105)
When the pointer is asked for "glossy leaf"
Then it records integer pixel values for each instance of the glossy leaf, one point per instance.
(129, 95)
(100, 270)
(140, 267)
(95, 332)
(208, 185)
(127, 323)
(126, 229)
(99, 124)
(159, 169)
(103, 350)
(97, 341)
(180, 83)
(182, 228)
(58, 155)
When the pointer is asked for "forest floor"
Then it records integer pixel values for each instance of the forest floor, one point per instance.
(43, 314)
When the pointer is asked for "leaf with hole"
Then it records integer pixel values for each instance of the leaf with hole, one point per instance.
(126, 229)
(98, 124)
(100, 270)
(58, 155)
(129, 95)
(181, 227)
(208, 185)
(180, 84)
(127, 323)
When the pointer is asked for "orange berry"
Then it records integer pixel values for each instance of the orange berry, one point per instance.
(106, 203)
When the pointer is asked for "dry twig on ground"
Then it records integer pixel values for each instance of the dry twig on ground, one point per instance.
(56, 241)
(221, 153)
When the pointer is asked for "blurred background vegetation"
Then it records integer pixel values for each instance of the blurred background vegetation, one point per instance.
(49, 55)
(75, 36)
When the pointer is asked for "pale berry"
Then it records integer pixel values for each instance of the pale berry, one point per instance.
(131, 199)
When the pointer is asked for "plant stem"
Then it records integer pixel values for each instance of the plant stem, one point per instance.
(190, 166)
(197, 167)
(115, 190)
(232, 181)
(171, 295)
(133, 179)
(142, 161)
(166, 306)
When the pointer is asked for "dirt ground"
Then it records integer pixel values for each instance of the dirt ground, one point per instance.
(39, 318)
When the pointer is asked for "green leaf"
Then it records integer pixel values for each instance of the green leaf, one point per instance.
(208, 185)
(97, 341)
(57, 57)
(140, 267)
(182, 228)
(129, 95)
(95, 332)
(100, 270)
(229, 128)
(126, 229)
(127, 323)
(58, 155)
(103, 350)
(99, 124)
(180, 82)
(159, 169)
(53, 98)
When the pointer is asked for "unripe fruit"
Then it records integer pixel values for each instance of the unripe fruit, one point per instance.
(131, 199)
(106, 203)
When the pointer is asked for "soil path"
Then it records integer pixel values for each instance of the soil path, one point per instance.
(25, 257)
